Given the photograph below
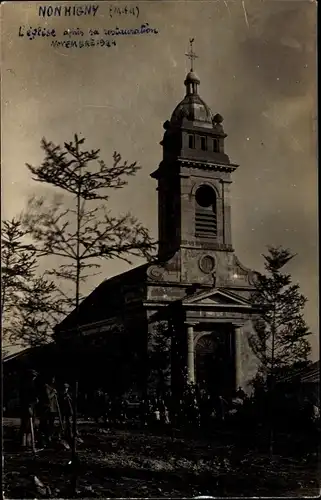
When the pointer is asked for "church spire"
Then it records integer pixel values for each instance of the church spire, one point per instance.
(191, 80)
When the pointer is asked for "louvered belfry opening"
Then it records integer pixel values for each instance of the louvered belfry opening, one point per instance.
(205, 212)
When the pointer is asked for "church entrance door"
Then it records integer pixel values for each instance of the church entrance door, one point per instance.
(212, 358)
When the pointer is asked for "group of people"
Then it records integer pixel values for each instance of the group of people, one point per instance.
(196, 408)
(42, 401)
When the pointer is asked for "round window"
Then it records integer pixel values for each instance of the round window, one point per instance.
(207, 264)
(205, 196)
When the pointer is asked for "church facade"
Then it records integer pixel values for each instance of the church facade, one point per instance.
(197, 287)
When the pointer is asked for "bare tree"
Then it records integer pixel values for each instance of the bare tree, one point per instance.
(85, 234)
(82, 235)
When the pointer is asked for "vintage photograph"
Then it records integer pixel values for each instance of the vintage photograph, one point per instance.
(159, 249)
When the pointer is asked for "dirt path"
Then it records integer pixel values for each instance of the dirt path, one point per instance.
(136, 464)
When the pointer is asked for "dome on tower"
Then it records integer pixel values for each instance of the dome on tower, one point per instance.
(194, 109)
(191, 77)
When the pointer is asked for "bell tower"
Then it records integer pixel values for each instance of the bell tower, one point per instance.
(194, 180)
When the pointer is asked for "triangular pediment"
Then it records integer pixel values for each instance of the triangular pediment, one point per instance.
(219, 297)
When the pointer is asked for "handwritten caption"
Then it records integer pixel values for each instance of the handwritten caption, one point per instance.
(86, 10)
(92, 37)
(51, 34)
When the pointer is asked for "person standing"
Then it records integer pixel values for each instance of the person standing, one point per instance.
(66, 412)
(156, 413)
(49, 410)
(28, 402)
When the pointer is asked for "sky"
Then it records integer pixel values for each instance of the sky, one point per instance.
(257, 67)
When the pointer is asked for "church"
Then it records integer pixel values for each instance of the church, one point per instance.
(197, 287)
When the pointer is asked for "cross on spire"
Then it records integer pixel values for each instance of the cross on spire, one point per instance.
(191, 55)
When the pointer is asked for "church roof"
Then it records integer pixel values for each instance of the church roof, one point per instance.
(105, 300)
(28, 356)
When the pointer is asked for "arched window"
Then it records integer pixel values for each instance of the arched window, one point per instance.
(205, 345)
(205, 212)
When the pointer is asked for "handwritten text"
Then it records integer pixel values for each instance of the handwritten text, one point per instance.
(123, 11)
(70, 44)
(33, 33)
(41, 32)
(65, 10)
(86, 10)
(144, 29)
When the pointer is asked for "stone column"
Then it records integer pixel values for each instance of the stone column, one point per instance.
(238, 355)
(190, 354)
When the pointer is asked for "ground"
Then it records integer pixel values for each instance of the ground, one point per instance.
(133, 463)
